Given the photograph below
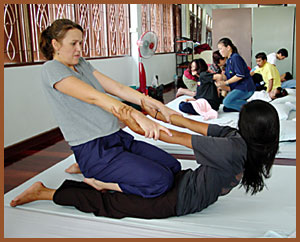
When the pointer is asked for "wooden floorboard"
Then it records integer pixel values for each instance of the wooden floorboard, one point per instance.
(34, 163)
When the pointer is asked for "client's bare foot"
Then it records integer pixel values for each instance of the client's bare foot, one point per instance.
(73, 169)
(36, 191)
(179, 92)
(102, 186)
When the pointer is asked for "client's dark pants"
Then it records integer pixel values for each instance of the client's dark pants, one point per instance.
(187, 107)
(115, 204)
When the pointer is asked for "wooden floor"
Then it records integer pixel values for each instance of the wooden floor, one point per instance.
(33, 161)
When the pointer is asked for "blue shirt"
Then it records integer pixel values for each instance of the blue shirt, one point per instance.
(236, 66)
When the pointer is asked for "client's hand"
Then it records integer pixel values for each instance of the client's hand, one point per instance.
(124, 115)
(153, 112)
(139, 123)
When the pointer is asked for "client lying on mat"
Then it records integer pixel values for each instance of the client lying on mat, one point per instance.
(228, 157)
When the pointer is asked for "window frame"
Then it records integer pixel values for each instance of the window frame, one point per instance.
(29, 18)
(72, 15)
(195, 14)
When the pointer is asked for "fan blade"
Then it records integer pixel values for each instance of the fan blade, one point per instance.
(147, 44)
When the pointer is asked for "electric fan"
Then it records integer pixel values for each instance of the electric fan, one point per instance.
(147, 45)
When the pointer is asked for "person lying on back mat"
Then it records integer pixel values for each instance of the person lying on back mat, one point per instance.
(227, 157)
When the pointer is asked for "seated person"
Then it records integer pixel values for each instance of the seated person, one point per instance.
(268, 96)
(218, 63)
(229, 157)
(281, 54)
(239, 83)
(191, 75)
(206, 89)
(268, 71)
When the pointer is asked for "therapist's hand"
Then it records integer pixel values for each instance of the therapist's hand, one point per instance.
(166, 111)
(150, 128)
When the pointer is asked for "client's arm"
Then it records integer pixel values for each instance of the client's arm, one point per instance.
(124, 115)
(177, 120)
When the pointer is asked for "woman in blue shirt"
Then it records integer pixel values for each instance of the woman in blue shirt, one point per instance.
(239, 83)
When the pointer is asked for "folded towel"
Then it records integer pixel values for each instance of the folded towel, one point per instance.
(203, 108)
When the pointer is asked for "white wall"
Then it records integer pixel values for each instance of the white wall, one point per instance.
(277, 31)
(162, 65)
(26, 112)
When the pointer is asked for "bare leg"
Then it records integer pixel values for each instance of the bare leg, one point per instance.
(102, 186)
(73, 169)
(36, 192)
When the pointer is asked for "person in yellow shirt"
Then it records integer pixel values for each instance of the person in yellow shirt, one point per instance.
(268, 71)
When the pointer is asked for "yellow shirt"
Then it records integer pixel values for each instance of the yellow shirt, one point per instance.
(268, 72)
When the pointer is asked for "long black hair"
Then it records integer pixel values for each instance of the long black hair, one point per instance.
(259, 126)
(201, 65)
(190, 66)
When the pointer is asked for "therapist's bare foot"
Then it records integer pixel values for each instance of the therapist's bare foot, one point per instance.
(36, 191)
(73, 169)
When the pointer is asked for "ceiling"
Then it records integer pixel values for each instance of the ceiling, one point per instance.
(235, 5)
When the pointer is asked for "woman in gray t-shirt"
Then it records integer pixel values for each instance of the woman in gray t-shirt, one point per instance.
(82, 101)
(227, 157)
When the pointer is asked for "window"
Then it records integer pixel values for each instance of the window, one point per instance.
(195, 22)
(159, 19)
(199, 13)
(106, 29)
(208, 21)
(208, 30)
(177, 20)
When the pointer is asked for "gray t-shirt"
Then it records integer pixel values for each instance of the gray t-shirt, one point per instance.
(79, 121)
(222, 154)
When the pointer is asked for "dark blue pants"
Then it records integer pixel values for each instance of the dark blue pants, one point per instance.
(138, 167)
(187, 107)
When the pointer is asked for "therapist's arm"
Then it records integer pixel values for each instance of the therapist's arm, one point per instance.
(124, 114)
(270, 86)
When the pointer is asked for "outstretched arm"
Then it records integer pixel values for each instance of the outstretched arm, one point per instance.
(76, 88)
(129, 94)
(178, 120)
(124, 115)
(270, 86)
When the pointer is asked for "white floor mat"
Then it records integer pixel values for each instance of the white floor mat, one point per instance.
(271, 213)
